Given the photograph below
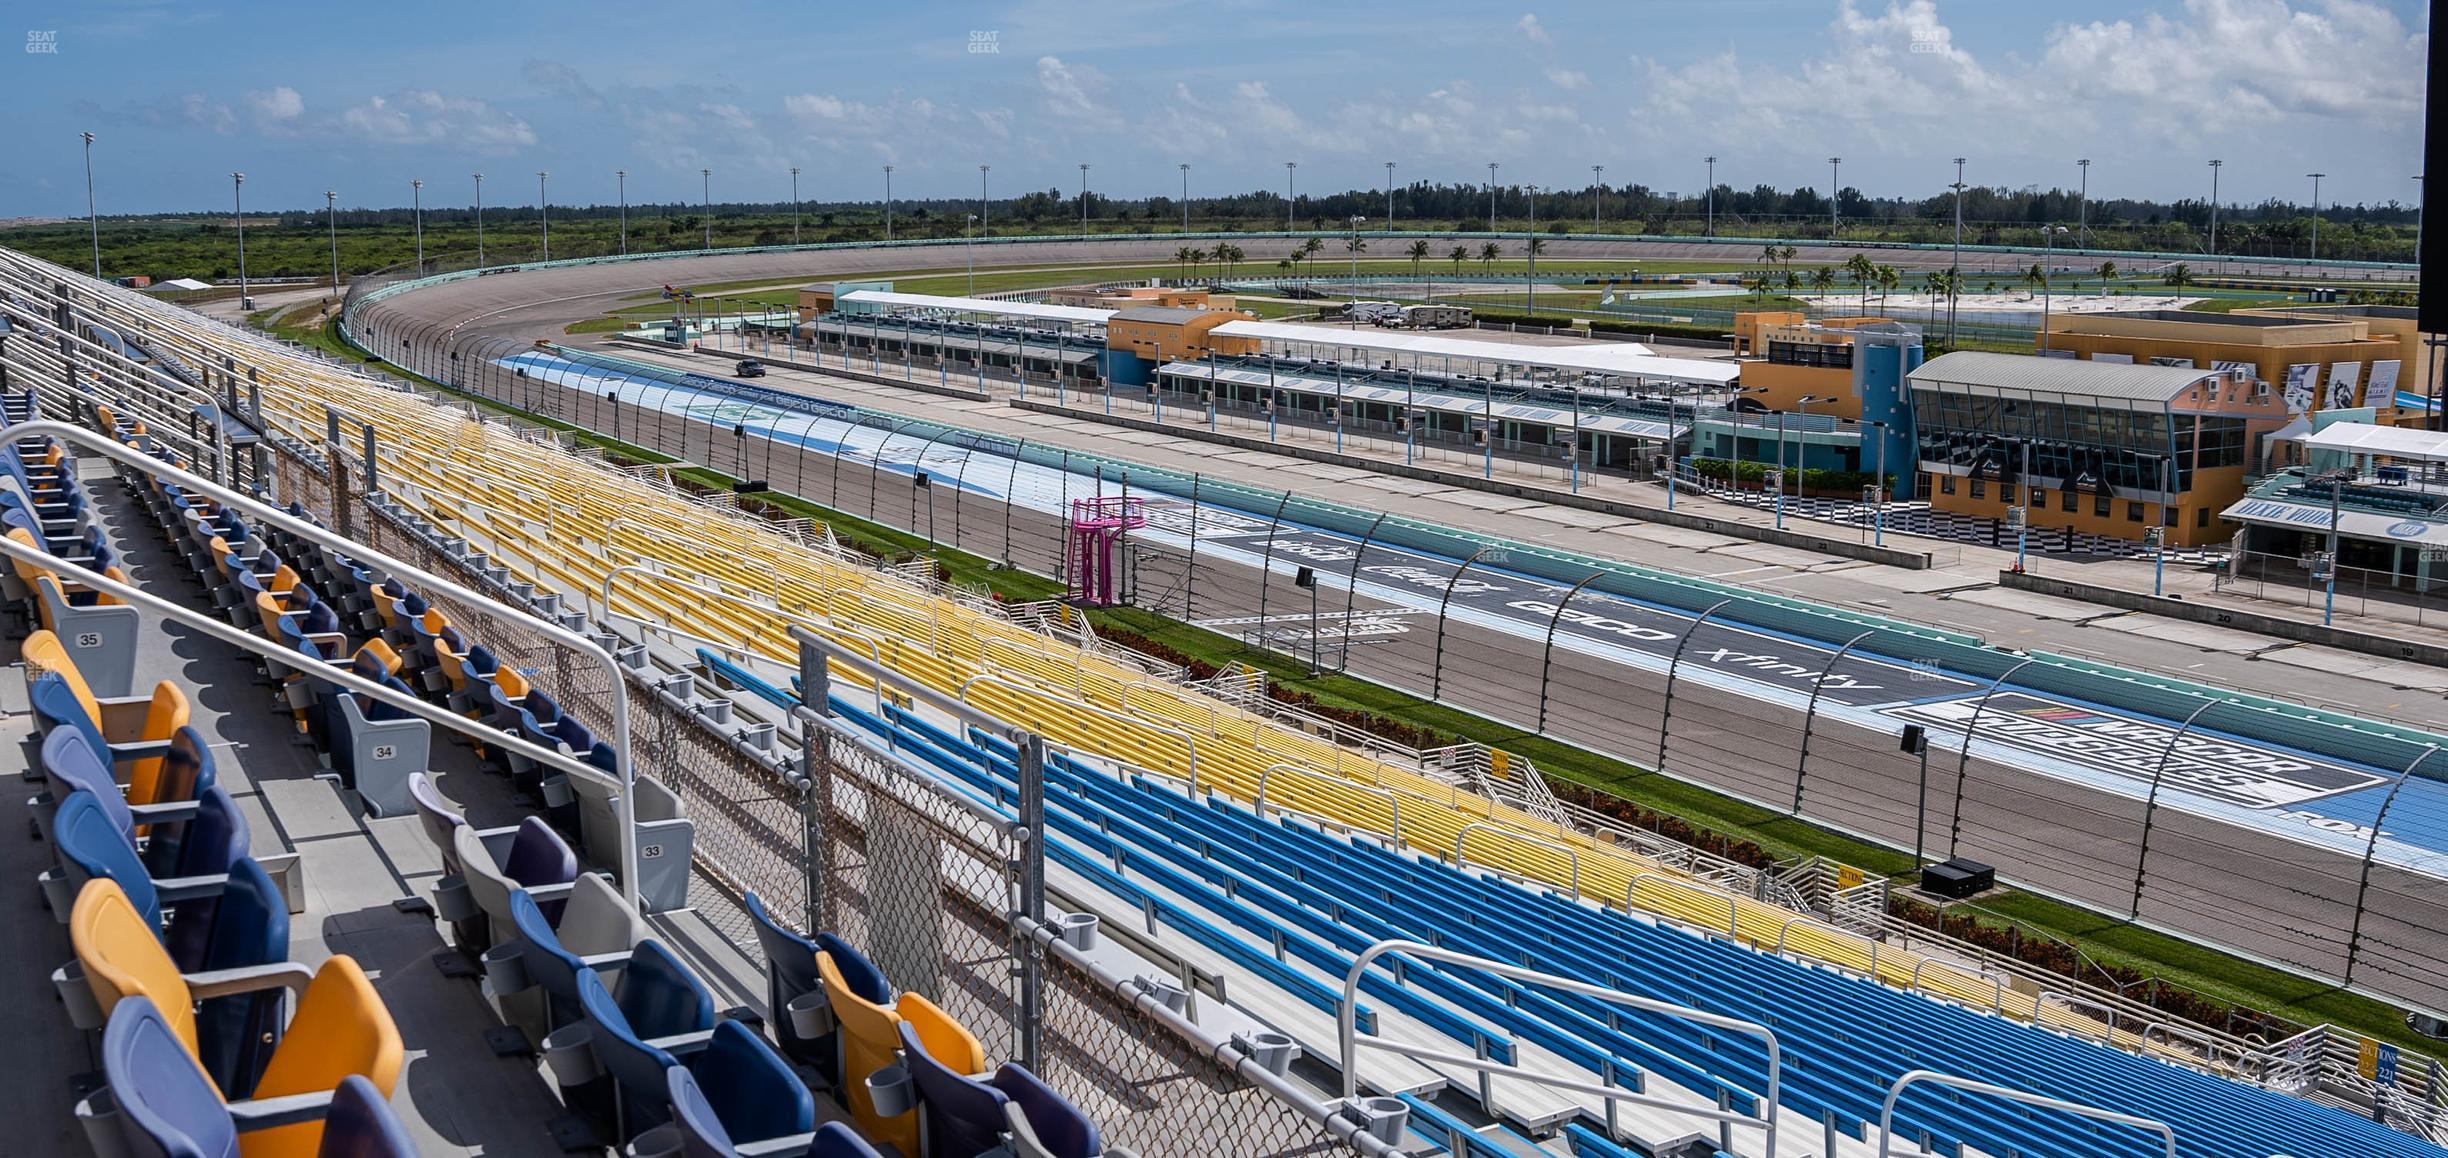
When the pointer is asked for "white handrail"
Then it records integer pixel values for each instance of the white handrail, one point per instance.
(1934, 1078)
(1347, 1032)
(275, 517)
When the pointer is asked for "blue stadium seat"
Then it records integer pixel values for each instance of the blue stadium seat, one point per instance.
(657, 1007)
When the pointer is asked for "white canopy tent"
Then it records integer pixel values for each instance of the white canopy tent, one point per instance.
(2365, 438)
(1075, 315)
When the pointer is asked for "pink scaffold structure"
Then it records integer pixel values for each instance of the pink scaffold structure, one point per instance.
(1092, 557)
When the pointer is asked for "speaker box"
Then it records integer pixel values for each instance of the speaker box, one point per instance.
(1958, 878)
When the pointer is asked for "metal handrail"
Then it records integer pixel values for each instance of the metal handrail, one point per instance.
(1573, 855)
(275, 517)
(1393, 800)
(1347, 1033)
(1934, 1078)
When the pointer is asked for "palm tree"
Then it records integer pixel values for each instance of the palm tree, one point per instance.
(2035, 277)
(1309, 250)
(1181, 259)
(1793, 280)
(1864, 273)
(1488, 253)
(1823, 279)
(1758, 285)
(1785, 256)
(1355, 244)
(1283, 266)
(1768, 253)
(1535, 246)
(1457, 255)
(1198, 258)
(2107, 273)
(2179, 276)
(1888, 277)
(1418, 250)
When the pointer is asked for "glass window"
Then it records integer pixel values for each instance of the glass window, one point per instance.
(2006, 493)
(2067, 501)
(2133, 512)
(1946, 484)
(2201, 516)
(2099, 505)
(1980, 490)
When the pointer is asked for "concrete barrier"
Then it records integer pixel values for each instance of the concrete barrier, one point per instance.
(1801, 540)
(2260, 623)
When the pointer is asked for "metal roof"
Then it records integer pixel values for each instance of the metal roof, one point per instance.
(1170, 315)
(1624, 359)
(1444, 401)
(1079, 314)
(2370, 438)
(2068, 376)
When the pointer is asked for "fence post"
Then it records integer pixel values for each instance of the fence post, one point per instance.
(1030, 833)
(1011, 483)
(1351, 590)
(2354, 938)
(1963, 758)
(2150, 804)
(1266, 561)
(1673, 666)
(816, 770)
(1810, 716)
(1547, 657)
(1190, 568)
(1436, 671)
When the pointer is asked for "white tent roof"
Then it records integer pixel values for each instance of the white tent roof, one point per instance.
(181, 283)
(1076, 314)
(1445, 401)
(2371, 438)
(2350, 522)
(1628, 359)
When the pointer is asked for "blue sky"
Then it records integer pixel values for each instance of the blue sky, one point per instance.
(361, 98)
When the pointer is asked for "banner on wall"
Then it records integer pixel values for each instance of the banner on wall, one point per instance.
(2301, 380)
(2121, 359)
(2381, 388)
(2342, 378)
(2162, 360)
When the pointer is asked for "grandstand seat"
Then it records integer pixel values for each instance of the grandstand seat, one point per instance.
(376, 746)
(870, 1042)
(340, 1026)
(95, 630)
(790, 974)
(531, 857)
(69, 763)
(360, 1124)
(963, 1115)
(597, 931)
(950, 1051)
(1044, 1124)
(666, 836)
(134, 730)
(94, 843)
(653, 1012)
(158, 1101)
(702, 1134)
(461, 665)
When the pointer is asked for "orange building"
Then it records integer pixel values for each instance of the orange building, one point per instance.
(2312, 363)
(1788, 357)
(1161, 334)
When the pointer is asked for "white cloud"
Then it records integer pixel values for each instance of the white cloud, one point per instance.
(1070, 90)
(1569, 79)
(426, 117)
(815, 106)
(280, 105)
(1529, 26)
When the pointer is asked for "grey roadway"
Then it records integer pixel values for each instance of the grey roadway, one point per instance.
(2248, 890)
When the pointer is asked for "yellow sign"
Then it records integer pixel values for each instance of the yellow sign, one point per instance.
(1848, 877)
(1500, 761)
(2367, 1059)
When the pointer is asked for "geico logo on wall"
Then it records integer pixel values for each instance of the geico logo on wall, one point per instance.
(2205, 764)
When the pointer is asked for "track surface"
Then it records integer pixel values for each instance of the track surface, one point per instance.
(2262, 861)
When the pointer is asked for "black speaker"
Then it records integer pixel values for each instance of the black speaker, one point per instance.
(1914, 740)
(749, 486)
(1306, 577)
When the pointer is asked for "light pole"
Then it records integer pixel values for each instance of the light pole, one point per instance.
(705, 201)
(2082, 206)
(888, 206)
(1834, 164)
(1389, 194)
(416, 201)
(1955, 263)
(794, 205)
(331, 218)
(2316, 180)
(2022, 509)
(480, 259)
(981, 216)
(544, 213)
(1185, 172)
(1878, 482)
(2215, 166)
(238, 213)
(1780, 471)
(1083, 196)
(621, 176)
(90, 218)
(1597, 194)
(1530, 254)
(1289, 166)
(1491, 196)
(1711, 229)
(2337, 490)
(2048, 261)
(971, 246)
(1353, 311)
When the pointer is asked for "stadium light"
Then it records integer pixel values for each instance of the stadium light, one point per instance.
(888, 202)
(2215, 165)
(622, 176)
(238, 211)
(544, 213)
(1711, 229)
(2082, 206)
(1289, 166)
(705, 199)
(1491, 196)
(1389, 194)
(971, 246)
(1597, 194)
(1834, 163)
(1955, 263)
(2316, 180)
(480, 261)
(416, 200)
(1083, 196)
(1185, 172)
(331, 216)
(90, 219)
(794, 205)
(981, 214)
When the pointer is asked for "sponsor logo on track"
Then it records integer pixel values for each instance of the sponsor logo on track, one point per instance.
(2124, 746)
